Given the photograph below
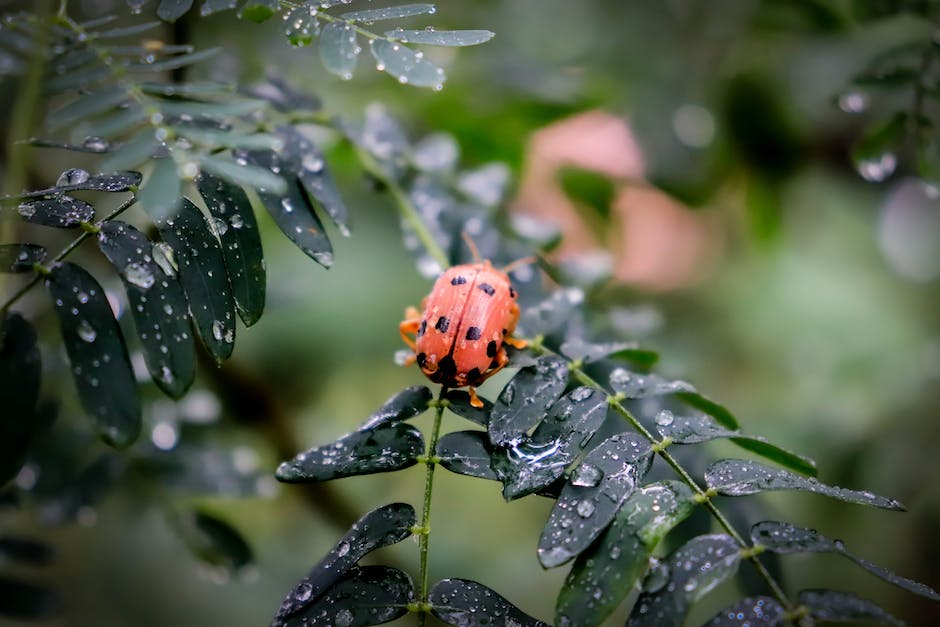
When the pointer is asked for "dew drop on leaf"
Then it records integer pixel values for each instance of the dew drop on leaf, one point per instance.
(73, 176)
(86, 332)
(139, 275)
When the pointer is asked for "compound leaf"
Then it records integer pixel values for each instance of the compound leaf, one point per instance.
(464, 602)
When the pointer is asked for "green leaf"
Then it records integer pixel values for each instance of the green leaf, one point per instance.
(737, 477)
(20, 375)
(126, 31)
(634, 385)
(86, 106)
(589, 501)
(875, 153)
(68, 80)
(63, 212)
(410, 402)
(91, 144)
(466, 453)
(75, 179)
(118, 122)
(214, 6)
(100, 365)
(536, 462)
(366, 595)
(292, 212)
(307, 162)
(258, 11)
(160, 195)
(133, 152)
(524, 400)
(595, 351)
(458, 401)
(406, 65)
(190, 89)
(468, 603)
(381, 527)
(388, 13)
(214, 541)
(694, 570)
(211, 138)
(710, 407)
(175, 63)
(18, 258)
(750, 611)
(604, 574)
(202, 275)
(781, 537)
(172, 10)
(383, 449)
(339, 49)
(831, 605)
(157, 305)
(239, 172)
(27, 601)
(232, 107)
(695, 428)
(234, 223)
(432, 37)
(301, 26)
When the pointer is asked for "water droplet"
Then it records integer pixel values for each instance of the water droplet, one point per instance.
(86, 331)
(287, 205)
(96, 144)
(664, 418)
(138, 274)
(73, 176)
(585, 508)
(342, 549)
(877, 168)
(26, 210)
(587, 476)
(221, 226)
(218, 331)
(311, 163)
(236, 221)
(164, 257)
(853, 102)
(343, 618)
(304, 590)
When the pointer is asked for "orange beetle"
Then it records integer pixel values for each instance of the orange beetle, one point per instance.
(467, 318)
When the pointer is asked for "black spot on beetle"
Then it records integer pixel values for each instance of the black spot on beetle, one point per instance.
(487, 289)
(473, 333)
(473, 376)
(423, 327)
(505, 331)
(442, 324)
(447, 368)
(491, 349)
(494, 364)
(421, 359)
(512, 292)
(458, 280)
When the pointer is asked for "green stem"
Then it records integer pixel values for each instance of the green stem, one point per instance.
(42, 271)
(701, 495)
(425, 537)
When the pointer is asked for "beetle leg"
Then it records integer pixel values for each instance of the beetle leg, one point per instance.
(474, 399)
(410, 326)
(501, 360)
(515, 342)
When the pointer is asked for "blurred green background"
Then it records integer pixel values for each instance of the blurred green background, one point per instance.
(816, 320)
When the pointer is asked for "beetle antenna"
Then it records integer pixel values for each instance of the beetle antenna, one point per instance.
(518, 262)
(473, 247)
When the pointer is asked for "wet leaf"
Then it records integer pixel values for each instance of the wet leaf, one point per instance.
(710, 407)
(635, 385)
(831, 605)
(589, 501)
(91, 144)
(17, 258)
(738, 477)
(339, 49)
(160, 195)
(604, 574)
(595, 351)
(388, 13)
(25, 551)
(300, 27)
(525, 399)
(293, 213)
(694, 428)
(750, 612)
(172, 10)
(308, 163)
(133, 152)
(782, 537)
(20, 375)
(100, 365)
(466, 453)
(695, 569)
(470, 604)
(234, 223)
(258, 11)
(406, 65)
(538, 461)
(214, 541)
(410, 402)
(87, 105)
(241, 173)
(551, 314)
(111, 182)
(157, 305)
(203, 277)
(432, 37)
(27, 601)
(366, 595)
(383, 449)
(214, 6)
(458, 401)
(175, 62)
(63, 212)
(383, 526)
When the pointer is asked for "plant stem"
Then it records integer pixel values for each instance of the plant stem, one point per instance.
(44, 270)
(425, 537)
(703, 496)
